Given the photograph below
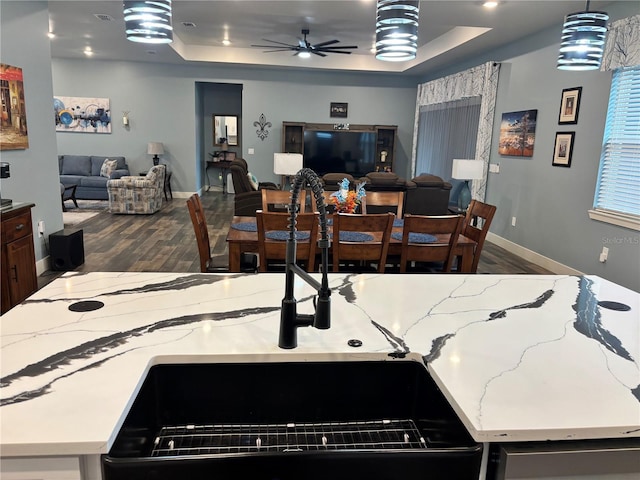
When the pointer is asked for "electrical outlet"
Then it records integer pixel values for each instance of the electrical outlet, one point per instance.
(41, 228)
(513, 221)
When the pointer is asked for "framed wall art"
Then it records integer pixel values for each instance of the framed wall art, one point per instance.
(82, 115)
(13, 127)
(518, 133)
(338, 110)
(569, 106)
(563, 149)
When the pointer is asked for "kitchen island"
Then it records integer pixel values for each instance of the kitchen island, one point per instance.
(519, 358)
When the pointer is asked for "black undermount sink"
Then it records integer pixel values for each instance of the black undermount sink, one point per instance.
(297, 420)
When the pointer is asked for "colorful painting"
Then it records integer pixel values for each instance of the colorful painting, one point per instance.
(518, 133)
(82, 115)
(13, 129)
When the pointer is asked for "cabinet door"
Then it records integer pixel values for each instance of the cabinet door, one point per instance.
(292, 137)
(21, 269)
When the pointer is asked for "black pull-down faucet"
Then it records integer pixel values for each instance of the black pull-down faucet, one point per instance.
(290, 320)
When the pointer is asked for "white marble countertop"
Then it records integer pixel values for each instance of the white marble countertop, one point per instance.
(520, 358)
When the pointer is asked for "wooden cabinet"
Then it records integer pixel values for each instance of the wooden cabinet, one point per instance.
(385, 139)
(19, 278)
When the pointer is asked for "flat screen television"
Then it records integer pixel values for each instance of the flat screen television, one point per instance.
(340, 151)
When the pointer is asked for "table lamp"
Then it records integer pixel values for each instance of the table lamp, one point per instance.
(466, 170)
(224, 148)
(286, 164)
(155, 149)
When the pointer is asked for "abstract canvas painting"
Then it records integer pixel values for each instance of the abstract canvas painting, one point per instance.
(518, 133)
(13, 128)
(82, 115)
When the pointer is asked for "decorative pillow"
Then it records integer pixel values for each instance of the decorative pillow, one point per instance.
(253, 180)
(108, 166)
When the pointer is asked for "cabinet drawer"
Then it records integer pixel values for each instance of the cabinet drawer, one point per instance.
(16, 227)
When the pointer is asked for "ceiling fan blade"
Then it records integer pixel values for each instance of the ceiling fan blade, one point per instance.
(273, 46)
(324, 44)
(320, 54)
(334, 51)
(279, 43)
(338, 47)
(280, 49)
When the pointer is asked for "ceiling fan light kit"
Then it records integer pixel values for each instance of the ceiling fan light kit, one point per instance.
(397, 30)
(148, 21)
(304, 49)
(583, 39)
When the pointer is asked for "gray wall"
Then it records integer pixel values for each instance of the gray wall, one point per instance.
(551, 203)
(163, 108)
(34, 171)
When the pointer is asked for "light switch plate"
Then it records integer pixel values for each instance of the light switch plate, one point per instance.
(251, 151)
(494, 167)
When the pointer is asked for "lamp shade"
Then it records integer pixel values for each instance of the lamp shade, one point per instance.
(583, 39)
(287, 163)
(397, 30)
(155, 148)
(467, 169)
(148, 21)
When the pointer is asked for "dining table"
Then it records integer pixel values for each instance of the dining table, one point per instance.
(243, 238)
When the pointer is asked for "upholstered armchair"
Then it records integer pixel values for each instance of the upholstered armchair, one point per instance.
(248, 192)
(137, 195)
(384, 182)
(331, 181)
(427, 195)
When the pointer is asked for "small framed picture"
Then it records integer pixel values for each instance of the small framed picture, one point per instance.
(563, 149)
(338, 110)
(569, 106)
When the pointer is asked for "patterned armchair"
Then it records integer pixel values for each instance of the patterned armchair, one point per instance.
(137, 195)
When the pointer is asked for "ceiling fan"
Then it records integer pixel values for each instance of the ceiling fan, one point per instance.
(304, 47)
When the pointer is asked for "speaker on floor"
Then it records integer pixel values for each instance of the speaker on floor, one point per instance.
(66, 249)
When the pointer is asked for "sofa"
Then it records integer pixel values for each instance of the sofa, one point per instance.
(427, 195)
(137, 194)
(85, 172)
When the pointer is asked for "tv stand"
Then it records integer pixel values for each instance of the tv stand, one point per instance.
(385, 135)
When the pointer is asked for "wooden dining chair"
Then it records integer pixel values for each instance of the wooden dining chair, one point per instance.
(381, 202)
(207, 264)
(361, 240)
(476, 226)
(326, 195)
(278, 200)
(273, 231)
(419, 235)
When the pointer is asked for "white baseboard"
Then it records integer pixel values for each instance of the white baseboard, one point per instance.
(531, 256)
(42, 266)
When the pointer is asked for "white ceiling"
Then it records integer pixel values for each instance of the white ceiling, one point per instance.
(450, 31)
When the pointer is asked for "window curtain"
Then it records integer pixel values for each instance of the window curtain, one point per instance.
(446, 131)
(479, 81)
(622, 48)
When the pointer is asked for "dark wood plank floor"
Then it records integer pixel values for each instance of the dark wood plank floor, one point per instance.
(165, 242)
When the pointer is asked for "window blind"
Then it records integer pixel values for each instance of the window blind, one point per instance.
(618, 187)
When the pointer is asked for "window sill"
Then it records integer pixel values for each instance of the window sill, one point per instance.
(626, 221)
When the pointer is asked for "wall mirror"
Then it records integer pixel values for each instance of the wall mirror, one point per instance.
(225, 127)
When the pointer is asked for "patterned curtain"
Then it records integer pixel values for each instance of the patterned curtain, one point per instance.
(623, 44)
(477, 81)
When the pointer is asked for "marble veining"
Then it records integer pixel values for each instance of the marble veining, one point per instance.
(520, 358)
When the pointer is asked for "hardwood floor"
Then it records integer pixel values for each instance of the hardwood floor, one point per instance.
(165, 242)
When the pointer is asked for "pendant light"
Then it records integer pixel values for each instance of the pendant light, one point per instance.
(583, 37)
(148, 21)
(397, 30)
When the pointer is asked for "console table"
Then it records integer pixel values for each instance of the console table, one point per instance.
(223, 166)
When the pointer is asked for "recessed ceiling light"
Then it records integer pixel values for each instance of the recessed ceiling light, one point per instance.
(226, 42)
(490, 4)
(87, 51)
(51, 35)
